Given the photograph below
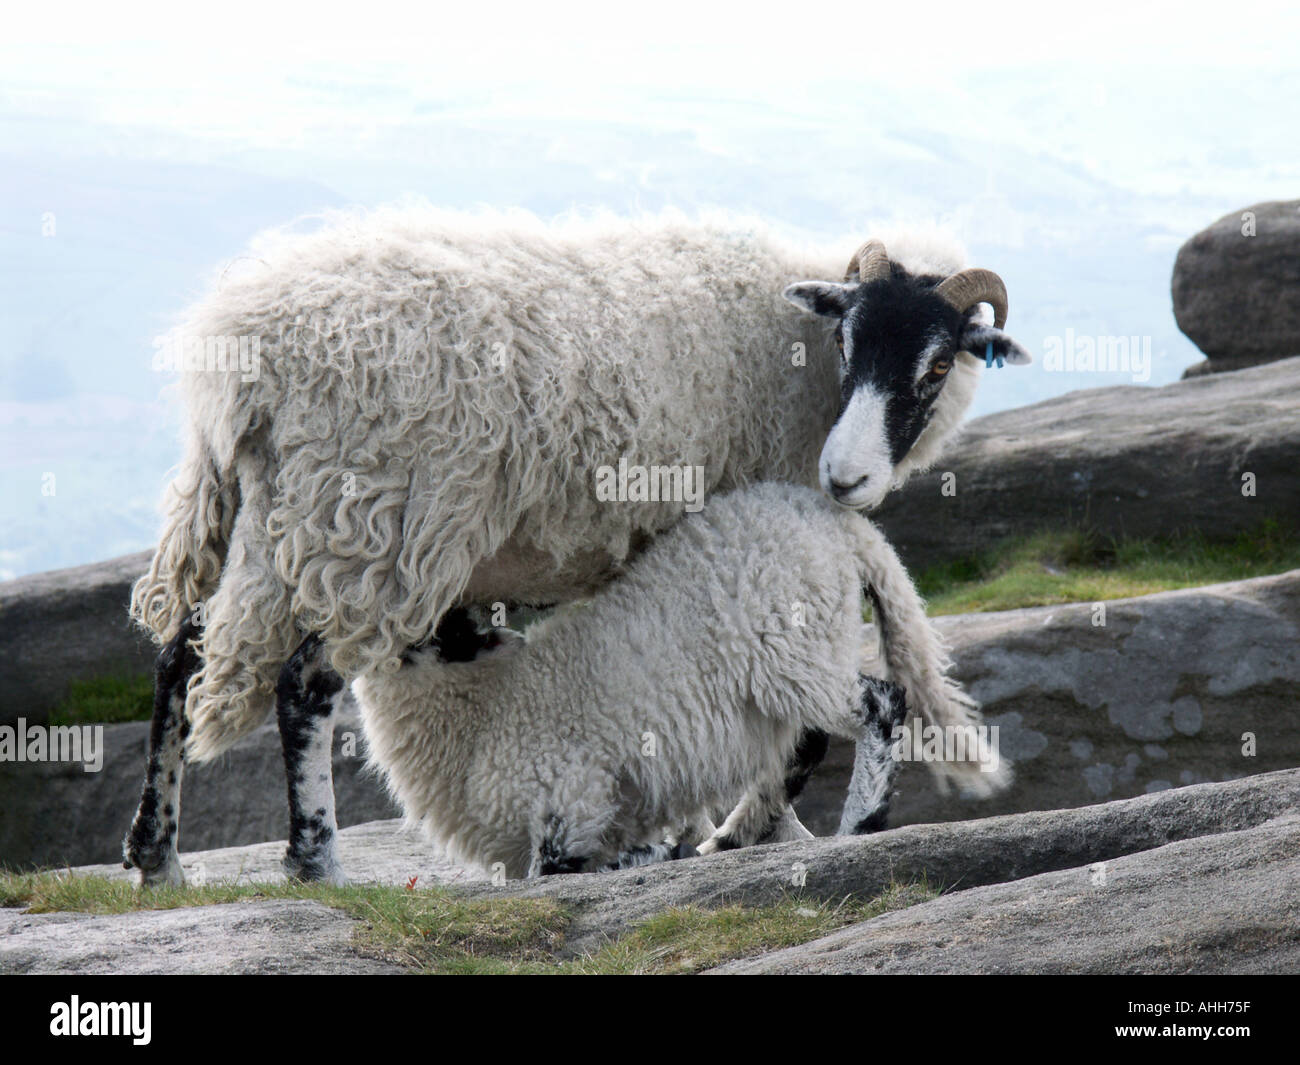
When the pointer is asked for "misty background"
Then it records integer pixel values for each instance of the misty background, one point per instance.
(140, 151)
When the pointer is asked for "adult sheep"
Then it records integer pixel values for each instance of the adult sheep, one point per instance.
(732, 646)
(436, 398)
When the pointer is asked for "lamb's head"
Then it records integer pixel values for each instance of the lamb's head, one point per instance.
(911, 349)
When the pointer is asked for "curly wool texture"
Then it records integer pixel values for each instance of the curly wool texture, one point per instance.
(677, 687)
(436, 393)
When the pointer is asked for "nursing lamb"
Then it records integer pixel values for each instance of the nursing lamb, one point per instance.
(715, 666)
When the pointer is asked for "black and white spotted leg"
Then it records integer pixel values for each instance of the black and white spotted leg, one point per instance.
(764, 813)
(307, 695)
(553, 851)
(151, 842)
(652, 854)
(866, 807)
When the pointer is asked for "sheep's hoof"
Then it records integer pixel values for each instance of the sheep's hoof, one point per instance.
(314, 870)
(168, 874)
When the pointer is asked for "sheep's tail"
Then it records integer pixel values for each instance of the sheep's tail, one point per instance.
(249, 628)
(199, 507)
(916, 658)
(213, 565)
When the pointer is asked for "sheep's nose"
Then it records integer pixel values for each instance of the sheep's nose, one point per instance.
(839, 489)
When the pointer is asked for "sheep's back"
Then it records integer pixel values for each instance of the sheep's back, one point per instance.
(435, 393)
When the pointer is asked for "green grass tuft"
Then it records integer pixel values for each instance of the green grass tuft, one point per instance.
(690, 939)
(1075, 567)
(421, 929)
(106, 700)
(436, 931)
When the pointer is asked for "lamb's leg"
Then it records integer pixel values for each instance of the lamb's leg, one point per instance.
(554, 852)
(693, 831)
(866, 807)
(764, 813)
(561, 845)
(150, 844)
(652, 854)
(306, 697)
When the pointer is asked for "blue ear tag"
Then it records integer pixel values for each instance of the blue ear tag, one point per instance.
(989, 357)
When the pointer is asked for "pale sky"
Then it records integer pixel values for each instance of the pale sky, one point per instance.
(511, 41)
(1074, 147)
(1088, 83)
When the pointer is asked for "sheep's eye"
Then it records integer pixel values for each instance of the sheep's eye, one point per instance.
(839, 342)
(939, 369)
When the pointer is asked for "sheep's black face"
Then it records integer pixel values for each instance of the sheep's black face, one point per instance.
(898, 343)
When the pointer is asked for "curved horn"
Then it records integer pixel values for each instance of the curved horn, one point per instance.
(968, 287)
(869, 263)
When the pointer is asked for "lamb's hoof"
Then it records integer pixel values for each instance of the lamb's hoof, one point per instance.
(313, 870)
(682, 850)
(168, 874)
(787, 829)
(715, 844)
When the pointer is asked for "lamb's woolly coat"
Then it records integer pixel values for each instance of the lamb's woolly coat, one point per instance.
(676, 688)
(436, 393)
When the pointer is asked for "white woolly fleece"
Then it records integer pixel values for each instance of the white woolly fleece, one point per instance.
(679, 686)
(436, 393)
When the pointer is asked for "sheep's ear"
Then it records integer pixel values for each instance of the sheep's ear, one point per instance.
(977, 336)
(820, 297)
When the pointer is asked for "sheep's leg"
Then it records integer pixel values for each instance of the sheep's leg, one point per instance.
(866, 807)
(306, 696)
(150, 844)
(764, 813)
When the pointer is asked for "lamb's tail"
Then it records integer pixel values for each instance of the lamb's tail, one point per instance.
(916, 658)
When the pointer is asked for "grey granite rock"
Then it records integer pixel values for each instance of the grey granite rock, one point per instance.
(268, 937)
(1128, 460)
(959, 855)
(58, 814)
(1236, 287)
(66, 625)
(1182, 687)
(1238, 838)
(1223, 904)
